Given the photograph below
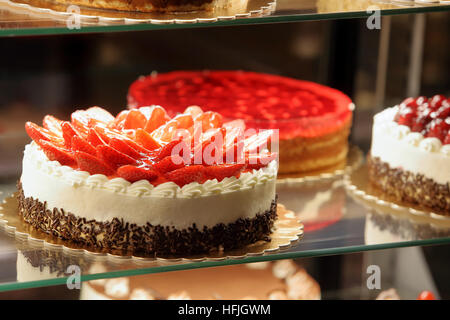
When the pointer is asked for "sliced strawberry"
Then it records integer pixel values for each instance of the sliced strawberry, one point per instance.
(146, 140)
(194, 111)
(123, 147)
(80, 144)
(103, 133)
(93, 138)
(132, 173)
(257, 161)
(222, 171)
(210, 120)
(168, 164)
(37, 133)
(68, 131)
(113, 157)
(134, 120)
(438, 128)
(56, 153)
(185, 175)
(119, 121)
(80, 121)
(99, 114)
(166, 150)
(52, 124)
(91, 164)
(157, 119)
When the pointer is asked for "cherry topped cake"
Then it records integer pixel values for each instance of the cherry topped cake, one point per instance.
(313, 120)
(410, 154)
(145, 182)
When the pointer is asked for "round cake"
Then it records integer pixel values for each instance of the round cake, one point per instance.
(145, 182)
(313, 120)
(410, 154)
(281, 280)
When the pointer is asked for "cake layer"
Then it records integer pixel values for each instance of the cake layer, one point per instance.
(407, 186)
(402, 149)
(308, 154)
(95, 197)
(148, 238)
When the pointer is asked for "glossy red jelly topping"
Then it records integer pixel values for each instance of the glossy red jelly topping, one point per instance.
(297, 108)
(143, 144)
(429, 116)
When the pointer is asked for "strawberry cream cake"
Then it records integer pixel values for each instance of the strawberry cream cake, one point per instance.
(410, 154)
(142, 181)
(313, 120)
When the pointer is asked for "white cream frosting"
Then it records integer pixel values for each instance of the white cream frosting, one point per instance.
(399, 147)
(97, 197)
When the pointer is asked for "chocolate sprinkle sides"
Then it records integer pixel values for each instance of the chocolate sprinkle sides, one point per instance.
(147, 239)
(409, 187)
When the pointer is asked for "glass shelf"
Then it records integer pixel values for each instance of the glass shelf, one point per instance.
(16, 21)
(335, 223)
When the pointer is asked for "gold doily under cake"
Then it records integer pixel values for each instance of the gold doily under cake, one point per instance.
(286, 232)
(358, 186)
(353, 161)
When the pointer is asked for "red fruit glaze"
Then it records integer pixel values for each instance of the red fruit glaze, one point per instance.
(297, 108)
(96, 142)
(430, 117)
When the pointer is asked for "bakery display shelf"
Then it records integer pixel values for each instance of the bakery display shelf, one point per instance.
(334, 223)
(25, 19)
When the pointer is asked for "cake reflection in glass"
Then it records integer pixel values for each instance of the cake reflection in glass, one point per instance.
(410, 155)
(145, 182)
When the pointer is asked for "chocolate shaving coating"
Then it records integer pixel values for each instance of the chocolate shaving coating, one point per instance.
(146, 239)
(408, 187)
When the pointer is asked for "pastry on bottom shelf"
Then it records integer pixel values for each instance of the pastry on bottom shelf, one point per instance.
(410, 155)
(279, 280)
(131, 183)
(313, 120)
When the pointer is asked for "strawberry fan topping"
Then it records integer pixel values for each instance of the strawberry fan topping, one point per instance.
(429, 116)
(146, 144)
(295, 107)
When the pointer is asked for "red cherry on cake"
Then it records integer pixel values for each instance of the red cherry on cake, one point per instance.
(437, 101)
(406, 116)
(437, 128)
(447, 138)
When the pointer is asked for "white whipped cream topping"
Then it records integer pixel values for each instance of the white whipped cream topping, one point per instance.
(97, 197)
(399, 147)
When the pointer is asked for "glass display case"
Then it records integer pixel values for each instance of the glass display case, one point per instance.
(377, 52)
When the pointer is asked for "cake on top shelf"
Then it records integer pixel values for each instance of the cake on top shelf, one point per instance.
(145, 182)
(410, 154)
(168, 6)
(313, 120)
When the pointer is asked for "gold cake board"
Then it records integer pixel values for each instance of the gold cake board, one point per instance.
(287, 231)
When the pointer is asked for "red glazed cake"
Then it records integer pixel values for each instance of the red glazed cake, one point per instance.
(145, 182)
(410, 154)
(313, 120)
